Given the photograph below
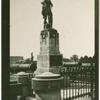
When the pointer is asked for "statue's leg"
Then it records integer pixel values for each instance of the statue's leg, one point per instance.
(45, 22)
(50, 19)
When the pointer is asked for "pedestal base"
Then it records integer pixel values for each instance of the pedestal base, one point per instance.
(47, 86)
(55, 69)
(49, 63)
(49, 95)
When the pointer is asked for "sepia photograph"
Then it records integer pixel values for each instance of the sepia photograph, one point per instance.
(52, 50)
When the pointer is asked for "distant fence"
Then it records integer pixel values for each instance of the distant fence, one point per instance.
(79, 82)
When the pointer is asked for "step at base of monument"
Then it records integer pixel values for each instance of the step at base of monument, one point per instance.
(54, 69)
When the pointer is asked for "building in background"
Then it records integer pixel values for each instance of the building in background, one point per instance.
(16, 59)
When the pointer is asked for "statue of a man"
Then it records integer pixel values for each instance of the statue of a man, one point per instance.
(47, 13)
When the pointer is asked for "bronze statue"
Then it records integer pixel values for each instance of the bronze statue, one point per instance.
(47, 13)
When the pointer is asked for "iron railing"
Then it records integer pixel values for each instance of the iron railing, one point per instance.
(78, 83)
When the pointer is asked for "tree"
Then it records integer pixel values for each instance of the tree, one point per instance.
(93, 59)
(33, 66)
(81, 59)
(27, 61)
(90, 59)
(66, 60)
(86, 59)
(74, 58)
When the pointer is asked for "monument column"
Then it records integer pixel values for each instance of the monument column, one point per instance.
(49, 58)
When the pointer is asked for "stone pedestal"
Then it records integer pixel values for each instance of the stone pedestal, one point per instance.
(49, 58)
(47, 86)
(24, 79)
(15, 90)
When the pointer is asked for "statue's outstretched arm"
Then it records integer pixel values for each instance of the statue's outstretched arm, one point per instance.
(42, 2)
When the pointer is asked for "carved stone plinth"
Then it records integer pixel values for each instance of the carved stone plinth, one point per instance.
(49, 58)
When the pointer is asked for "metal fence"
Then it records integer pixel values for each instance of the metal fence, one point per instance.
(78, 83)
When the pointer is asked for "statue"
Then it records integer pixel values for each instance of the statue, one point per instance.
(47, 13)
(32, 57)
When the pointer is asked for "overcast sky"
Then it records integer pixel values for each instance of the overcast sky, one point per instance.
(73, 19)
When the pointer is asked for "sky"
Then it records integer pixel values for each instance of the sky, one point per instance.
(73, 19)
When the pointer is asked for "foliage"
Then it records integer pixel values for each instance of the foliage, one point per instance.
(74, 58)
(86, 59)
(33, 66)
(27, 61)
